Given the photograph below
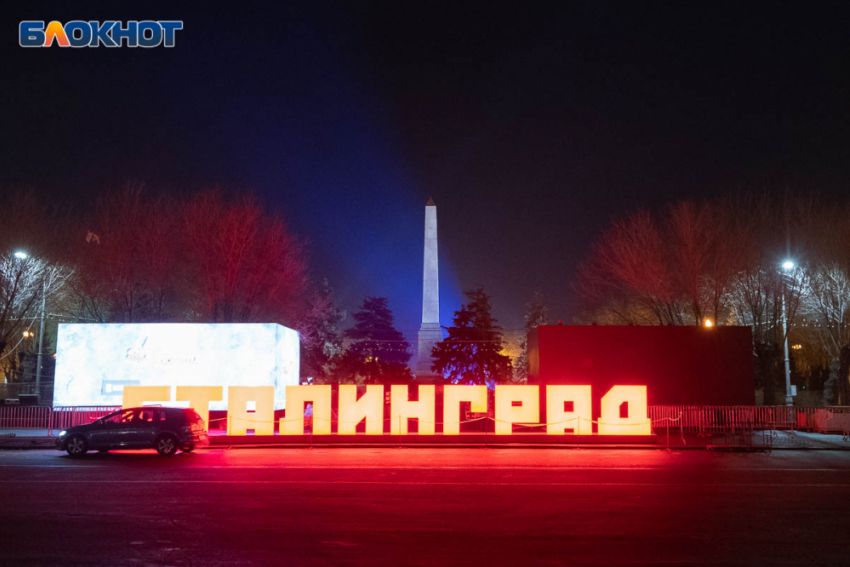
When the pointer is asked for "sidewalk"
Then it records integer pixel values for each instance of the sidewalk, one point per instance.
(27, 439)
(762, 440)
(807, 440)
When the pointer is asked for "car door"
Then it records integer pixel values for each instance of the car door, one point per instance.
(113, 431)
(149, 422)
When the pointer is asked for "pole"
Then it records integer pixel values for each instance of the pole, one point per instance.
(40, 344)
(789, 399)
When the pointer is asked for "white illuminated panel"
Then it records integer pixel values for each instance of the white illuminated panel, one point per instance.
(94, 362)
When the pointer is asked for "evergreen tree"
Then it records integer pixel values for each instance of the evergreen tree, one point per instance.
(379, 353)
(536, 313)
(471, 354)
(321, 338)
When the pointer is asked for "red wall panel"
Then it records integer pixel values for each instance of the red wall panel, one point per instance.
(679, 365)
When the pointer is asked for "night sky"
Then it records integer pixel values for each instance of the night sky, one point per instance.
(532, 124)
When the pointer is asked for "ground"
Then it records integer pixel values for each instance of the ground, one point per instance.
(425, 507)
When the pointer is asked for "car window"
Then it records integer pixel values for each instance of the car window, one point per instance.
(152, 415)
(125, 416)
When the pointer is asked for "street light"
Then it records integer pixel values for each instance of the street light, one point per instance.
(21, 255)
(787, 265)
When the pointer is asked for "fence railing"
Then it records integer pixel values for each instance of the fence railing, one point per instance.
(706, 420)
(44, 417)
(835, 419)
(68, 416)
(702, 420)
(25, 417)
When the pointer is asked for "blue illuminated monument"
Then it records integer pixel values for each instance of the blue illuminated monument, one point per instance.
(429, 333)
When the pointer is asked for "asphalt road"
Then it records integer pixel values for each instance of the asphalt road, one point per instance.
(425, 507)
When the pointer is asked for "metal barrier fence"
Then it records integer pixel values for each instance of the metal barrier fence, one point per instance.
(686, 418)
(68, 416)
(776, 417)
(707, 420)
(834, 419)
(24, 417)
(44, 417)
(702, 420)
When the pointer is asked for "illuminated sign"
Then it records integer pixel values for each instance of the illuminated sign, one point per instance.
(95, 363)
(568, 408)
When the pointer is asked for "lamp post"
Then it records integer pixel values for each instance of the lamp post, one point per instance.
(41, 344)
(20, 255)
(787, 266)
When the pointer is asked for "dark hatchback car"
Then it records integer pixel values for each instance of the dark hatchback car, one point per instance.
(163, 429)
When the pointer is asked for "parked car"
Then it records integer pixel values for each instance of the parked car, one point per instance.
(149, 427)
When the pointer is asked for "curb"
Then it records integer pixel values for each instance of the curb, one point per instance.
(596, 446)
(28, 443)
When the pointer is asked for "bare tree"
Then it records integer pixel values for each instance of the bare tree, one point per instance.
(677, 265)
(250, 266)
(825, 298)
(30, 225)
(630, 260)
(704, 257)
(26, 284)
(128, 257)
(695, 261)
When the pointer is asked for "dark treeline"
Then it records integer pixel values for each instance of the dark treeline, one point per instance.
(134, 255)
(721, 263)
(137, 256)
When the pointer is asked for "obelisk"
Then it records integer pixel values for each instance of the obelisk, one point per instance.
(429, 333)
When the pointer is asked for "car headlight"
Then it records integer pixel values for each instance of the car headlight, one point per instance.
(63, 432)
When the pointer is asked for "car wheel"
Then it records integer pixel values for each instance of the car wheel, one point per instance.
(188, 448)
(166, 445)
(76, 446)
